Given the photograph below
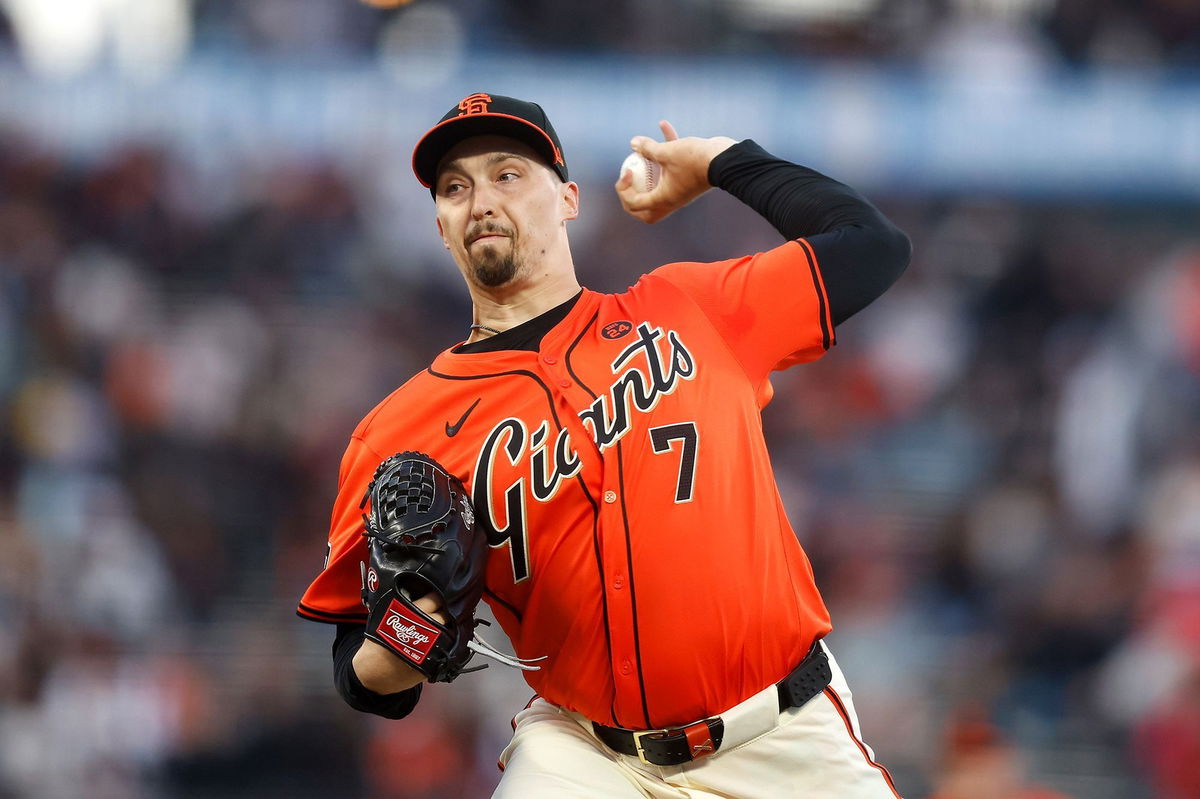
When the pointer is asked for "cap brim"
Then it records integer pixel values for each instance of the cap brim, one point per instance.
(442, 137)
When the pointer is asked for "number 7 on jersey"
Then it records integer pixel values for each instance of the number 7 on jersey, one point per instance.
(685, 432)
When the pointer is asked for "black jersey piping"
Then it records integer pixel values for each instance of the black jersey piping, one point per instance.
(637, 642)
(820, 291)
(525, 372)
(506, 605)
(578, 478)
(612, 708)
(325, 617)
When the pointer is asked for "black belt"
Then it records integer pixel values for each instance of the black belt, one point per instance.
(680, 745)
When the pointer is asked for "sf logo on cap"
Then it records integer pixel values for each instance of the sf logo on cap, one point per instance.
(475, 104)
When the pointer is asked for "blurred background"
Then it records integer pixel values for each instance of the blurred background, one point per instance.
(214, 260)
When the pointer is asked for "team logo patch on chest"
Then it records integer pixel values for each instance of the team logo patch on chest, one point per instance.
(615, 330)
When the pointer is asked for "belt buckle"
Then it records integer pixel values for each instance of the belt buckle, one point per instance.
(637, 742)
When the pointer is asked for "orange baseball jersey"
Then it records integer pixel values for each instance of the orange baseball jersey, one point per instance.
(638, 537)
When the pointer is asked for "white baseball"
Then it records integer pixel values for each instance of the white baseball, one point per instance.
(645, 172)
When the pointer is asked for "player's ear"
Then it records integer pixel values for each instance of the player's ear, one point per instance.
(442, 233)
(570, 200)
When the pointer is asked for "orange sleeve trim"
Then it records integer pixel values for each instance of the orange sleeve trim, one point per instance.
(828, 335)
(325, 617)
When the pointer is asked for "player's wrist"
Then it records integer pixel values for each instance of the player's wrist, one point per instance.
(695, 159)
(381, 671)
(716, 146)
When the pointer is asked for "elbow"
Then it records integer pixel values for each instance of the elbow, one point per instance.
(888, 249)
(364, 700)
(897, 249)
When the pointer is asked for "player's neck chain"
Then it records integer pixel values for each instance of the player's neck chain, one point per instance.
(485, 327)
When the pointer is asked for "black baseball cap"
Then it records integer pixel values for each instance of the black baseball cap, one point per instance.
(482, 114)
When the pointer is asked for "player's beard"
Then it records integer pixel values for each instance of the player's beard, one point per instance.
(494, 264)
(494, 268)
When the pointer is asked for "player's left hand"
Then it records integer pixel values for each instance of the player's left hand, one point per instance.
(684, 177)
(422, 540)
(382, 671)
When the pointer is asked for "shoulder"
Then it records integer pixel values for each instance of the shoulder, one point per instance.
(416, 386)
(666, 278)
(687, 273)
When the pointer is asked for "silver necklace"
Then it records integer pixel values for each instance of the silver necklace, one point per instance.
(485, 327)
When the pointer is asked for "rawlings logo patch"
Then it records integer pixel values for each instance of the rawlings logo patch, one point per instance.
(408, 635)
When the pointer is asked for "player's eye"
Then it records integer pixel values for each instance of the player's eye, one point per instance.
(452, 188)
(508, 175)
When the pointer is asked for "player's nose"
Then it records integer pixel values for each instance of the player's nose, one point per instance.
(483, 202)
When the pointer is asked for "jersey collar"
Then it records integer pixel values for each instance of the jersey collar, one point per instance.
(554, 345)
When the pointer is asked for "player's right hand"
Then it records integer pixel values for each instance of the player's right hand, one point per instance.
(381, 670)
(684, 175)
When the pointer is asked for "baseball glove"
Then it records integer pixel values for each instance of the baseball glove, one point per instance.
(422, 539)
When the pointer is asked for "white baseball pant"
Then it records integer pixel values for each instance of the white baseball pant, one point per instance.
(815, 752)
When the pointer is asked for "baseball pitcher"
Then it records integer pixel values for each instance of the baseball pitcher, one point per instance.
(593, 467)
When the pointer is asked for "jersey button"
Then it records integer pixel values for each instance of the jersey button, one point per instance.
(626, 666)
(550, 359)
(618, 582)
(565, 383)
(610, 497)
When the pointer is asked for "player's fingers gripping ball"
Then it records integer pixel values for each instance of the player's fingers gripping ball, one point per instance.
(421, 536)
(644, 172)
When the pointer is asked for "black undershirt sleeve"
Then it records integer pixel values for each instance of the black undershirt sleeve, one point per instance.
(391, 706)
(859, 251)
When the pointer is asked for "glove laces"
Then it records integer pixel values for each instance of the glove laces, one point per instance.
(482, 647)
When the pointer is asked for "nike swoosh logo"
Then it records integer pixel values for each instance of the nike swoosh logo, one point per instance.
(452, 429)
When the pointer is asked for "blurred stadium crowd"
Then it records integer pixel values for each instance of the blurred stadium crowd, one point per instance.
(148, 37)
(996, 472)
(1077, 31)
